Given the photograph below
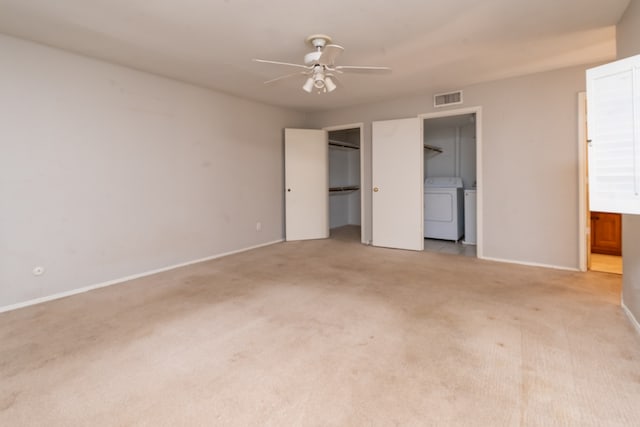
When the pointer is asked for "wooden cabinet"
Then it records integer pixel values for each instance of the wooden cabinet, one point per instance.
(606, 233)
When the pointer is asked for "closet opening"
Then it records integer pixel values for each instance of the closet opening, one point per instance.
(450, 184)
(345, 194)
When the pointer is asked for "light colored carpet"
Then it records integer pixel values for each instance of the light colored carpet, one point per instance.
(327, 333)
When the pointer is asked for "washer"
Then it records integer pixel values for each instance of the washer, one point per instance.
(443, 208)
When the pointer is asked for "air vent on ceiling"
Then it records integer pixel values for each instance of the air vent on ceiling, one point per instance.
(449, 98)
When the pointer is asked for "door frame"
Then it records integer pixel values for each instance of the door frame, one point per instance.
(361, 127)
(584, 228)
(477, 110)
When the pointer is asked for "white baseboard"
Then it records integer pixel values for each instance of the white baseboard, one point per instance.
(631, 317)
(126, 279)
(529, 264)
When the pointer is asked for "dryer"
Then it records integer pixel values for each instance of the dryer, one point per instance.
(443, 208)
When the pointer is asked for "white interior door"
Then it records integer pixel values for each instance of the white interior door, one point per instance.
(397, 174)
(306, 159)
(613, 98)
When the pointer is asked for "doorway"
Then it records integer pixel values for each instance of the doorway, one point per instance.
(452, 176)
(606, 242)
(600, 233)
(345, 182)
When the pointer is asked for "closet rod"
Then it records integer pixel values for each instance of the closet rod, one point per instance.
(344, 189)
(433, 148)
(343, 144)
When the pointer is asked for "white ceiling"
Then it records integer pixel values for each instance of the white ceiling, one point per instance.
(432, 45)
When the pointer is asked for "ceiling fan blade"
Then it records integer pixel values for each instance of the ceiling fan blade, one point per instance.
(329, 54)
(358, 69)
(286, 76)
(288, 64)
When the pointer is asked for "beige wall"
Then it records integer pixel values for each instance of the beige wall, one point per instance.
(107, 172)
(530, 164)
(628, 44)
(628, 31)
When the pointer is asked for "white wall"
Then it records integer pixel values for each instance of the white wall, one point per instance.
(338, 177)
(628, 44)
(444, 163)
(468, 155)
(530, 161)
(458, 156)
(354, 177)
(628, 31)
(107, 172)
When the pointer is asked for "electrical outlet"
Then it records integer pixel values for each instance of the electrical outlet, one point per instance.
(38, 271)
(258, 226)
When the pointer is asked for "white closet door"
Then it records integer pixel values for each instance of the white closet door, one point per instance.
(613, 98)
(306, 184)
(397, 175)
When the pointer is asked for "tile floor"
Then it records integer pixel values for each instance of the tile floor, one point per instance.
(352, 233)
(449, 247)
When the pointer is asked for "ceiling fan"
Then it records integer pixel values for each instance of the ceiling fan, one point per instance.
(319, 66)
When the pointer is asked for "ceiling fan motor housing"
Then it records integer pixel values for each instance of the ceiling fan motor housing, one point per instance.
(312, 57)
(318, 41)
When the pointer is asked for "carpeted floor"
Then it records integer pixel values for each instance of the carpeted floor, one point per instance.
(328, 333)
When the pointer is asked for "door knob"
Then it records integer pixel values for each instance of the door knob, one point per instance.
(375, 189)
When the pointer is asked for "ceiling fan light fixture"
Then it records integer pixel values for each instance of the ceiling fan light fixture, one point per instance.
(308, 85)
(318, 80)
(329, 84)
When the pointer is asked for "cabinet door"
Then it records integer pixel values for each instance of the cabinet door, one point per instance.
(606, 233)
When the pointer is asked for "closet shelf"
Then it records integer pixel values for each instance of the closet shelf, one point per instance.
(343, 144)
(433, 148)
(345, 189)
